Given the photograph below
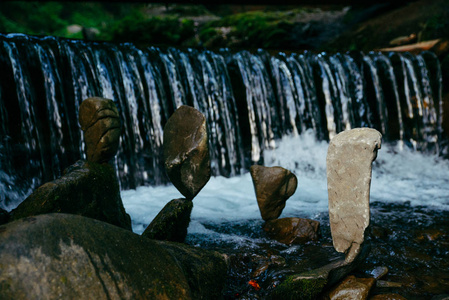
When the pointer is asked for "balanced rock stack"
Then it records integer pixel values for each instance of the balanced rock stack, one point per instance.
(187, 162)
(88, 188)
(349, 162)
(274, 186)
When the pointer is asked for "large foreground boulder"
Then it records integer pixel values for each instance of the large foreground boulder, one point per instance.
(59, 255)
(273, 186)
(88, 189)
(186, 151)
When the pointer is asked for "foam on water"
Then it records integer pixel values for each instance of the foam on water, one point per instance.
(398, 176)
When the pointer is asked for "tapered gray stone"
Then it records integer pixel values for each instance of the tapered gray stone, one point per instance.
(349, 160)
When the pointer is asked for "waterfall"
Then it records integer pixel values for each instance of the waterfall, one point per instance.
(250, 101)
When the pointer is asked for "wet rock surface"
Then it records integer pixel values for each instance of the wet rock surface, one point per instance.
(250, 258)
(292, 230)
(186, 151)
(4, 216)
(352, 288)
(349, 163)
(387, 297)
(47, 256)
(88, 189)
(273, 186)
(99, 119)
(171, 222)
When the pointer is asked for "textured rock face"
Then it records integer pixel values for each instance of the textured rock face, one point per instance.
(349, 160)
(352, 288)
(186, 151)
(171, 222)
(47, 256)
(273, 186)
(99, 119)
(88, 189)
(292, 230)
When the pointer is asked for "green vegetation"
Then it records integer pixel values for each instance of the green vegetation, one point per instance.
(54, 18)
(250, 29)
(227, 26)
(147, 25)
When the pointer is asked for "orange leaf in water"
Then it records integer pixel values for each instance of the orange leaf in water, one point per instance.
(254, 284)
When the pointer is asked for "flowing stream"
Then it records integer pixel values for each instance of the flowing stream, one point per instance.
(272, 110)
(251, 101)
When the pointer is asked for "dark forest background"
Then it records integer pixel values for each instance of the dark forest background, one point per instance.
(277, 28)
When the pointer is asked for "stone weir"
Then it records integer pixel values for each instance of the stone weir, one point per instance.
(249, 100)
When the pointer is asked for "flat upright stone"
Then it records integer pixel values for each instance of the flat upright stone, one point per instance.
(349, 161)
(273, 186)
(172, 222)
(99, 119)
(186, 151)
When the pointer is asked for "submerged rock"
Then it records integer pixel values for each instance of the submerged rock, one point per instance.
(349, 159)
(395, 297)
(204, 270)
(292, 230)
(88, 189)
(186, 151)
(171, 222)
(4, 216)
(47, 256)
(273, 186)
(99, 119)
(352, 288)
(309, 284)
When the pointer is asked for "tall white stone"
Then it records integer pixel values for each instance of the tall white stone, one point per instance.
(349, 161)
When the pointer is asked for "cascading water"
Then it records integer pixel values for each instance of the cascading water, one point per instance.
(250, 101)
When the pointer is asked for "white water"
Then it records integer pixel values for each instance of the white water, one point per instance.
(398, 176)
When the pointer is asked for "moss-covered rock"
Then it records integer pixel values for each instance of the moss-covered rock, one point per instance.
(295, 287)
(88, 189)
(171, 222)
(47, 256)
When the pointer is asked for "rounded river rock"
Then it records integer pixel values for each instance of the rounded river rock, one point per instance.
(186, 151)
(99, 119)
(273, 186)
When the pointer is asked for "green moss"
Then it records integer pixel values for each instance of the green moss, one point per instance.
(299, 288)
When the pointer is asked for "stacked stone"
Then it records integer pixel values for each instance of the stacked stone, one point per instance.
(273, 187)
(87, 188)
(349, 162)
(54, 254)
(187, 162)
